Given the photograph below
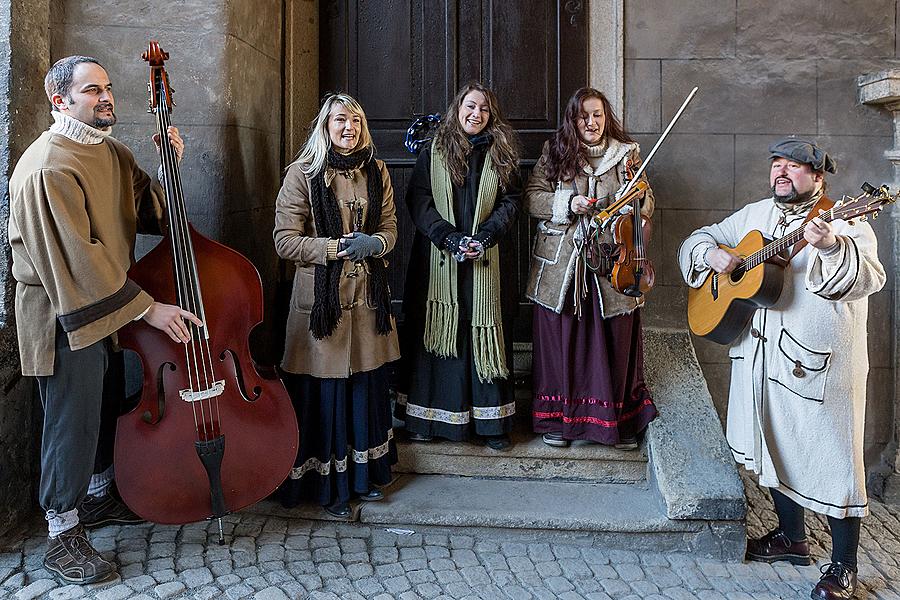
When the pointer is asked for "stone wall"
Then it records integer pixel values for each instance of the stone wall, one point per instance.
(23, 61)
(225, 68)
(763, 73)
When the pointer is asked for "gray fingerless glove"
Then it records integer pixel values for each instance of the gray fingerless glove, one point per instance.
(360, 246)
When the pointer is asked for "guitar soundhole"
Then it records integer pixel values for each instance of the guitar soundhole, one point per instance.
(737, 274)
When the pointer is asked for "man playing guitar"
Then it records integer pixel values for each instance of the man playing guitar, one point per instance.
(796, 408)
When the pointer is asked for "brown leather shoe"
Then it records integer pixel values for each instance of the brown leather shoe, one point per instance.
(838, 582)
(775, 546)
(71, 556)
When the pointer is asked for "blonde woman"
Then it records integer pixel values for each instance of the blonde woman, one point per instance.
(335, 220)
(463, 197)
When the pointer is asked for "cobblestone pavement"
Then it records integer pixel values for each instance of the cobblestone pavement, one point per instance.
(273, 558)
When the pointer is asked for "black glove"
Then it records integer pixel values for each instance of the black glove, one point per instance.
(357, 246)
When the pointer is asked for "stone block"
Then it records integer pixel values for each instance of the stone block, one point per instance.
(679, 224)
(246, 83)
(879, 411)
(195, 68)
(257, 24)
(812, 28)
(881, 317)
(690, 460)
(691, 170)
(839, 110)
(203, 16)
(740, 95)
(751, 178)
(642, 96)
(666, 307)
(688, 29)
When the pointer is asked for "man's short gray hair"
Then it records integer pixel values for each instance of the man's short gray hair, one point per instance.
(59, 77)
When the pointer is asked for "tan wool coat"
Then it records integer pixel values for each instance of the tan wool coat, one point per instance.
(552, 270)
(74, 211)
(355, 345)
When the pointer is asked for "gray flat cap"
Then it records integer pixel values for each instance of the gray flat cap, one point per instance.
(803, 151)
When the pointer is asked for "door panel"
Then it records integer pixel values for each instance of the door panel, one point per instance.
(401, 58)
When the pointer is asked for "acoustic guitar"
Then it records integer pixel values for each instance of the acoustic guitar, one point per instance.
(720, 308)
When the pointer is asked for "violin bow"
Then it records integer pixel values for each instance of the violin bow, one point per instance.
(602, 222)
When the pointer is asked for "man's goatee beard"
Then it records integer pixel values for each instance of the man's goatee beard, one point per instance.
(103, 123)
(793, 197)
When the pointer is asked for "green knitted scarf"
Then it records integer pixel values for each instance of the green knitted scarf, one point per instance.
(442, 311)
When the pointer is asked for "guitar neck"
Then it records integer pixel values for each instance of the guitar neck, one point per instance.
(780, 245)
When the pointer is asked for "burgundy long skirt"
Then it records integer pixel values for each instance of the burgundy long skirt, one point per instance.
(589, 374)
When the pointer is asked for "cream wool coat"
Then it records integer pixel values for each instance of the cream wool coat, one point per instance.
(355, 345)
(797, 401)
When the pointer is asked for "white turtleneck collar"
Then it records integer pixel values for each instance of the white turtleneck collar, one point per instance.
(77, 131)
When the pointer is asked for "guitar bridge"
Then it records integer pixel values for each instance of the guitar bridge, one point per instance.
(714, 286)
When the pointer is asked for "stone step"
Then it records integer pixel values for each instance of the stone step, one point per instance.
(625, 516)
(528, 458)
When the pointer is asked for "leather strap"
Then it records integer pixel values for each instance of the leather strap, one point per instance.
(823, 204)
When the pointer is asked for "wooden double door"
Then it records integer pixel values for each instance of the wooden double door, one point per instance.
(402, 58)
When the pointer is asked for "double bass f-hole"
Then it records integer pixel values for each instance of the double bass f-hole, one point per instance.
(239, 376)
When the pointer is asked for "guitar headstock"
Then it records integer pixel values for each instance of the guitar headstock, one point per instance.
(871, 202)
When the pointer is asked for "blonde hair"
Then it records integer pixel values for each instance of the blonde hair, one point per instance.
(314, 154)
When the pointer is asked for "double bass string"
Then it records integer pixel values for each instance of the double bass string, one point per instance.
(188, 281)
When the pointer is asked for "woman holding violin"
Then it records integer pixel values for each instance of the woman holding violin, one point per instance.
(335, 219)
(588, 357)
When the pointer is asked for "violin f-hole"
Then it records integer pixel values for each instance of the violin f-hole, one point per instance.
(239, 375)
(148, 416)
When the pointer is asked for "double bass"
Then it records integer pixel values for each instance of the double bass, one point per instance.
(210, 434)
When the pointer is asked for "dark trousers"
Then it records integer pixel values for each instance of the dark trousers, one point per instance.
(81, 403)
(844, 532)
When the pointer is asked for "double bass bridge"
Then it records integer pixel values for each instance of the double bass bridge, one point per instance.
(216, 389)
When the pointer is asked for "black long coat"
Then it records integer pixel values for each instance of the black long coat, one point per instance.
(432, 229)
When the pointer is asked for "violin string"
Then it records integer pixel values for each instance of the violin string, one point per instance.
(179, 232)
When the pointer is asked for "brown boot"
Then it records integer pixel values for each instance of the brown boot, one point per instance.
(775, 546)
(71, 556)
(838, 582)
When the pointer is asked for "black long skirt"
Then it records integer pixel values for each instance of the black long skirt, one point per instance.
(346, 439)
(447, 400)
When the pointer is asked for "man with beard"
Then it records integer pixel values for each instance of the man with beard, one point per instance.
(77, 198)
(796, 406)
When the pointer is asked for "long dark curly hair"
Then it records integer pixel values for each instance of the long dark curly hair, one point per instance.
(566, 155)
(454, 145)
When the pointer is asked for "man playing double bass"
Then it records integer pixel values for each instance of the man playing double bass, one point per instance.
(77, 199)
(796, 406)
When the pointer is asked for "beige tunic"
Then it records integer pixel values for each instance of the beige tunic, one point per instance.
(355, 345)
(74, 211)
(554, 251)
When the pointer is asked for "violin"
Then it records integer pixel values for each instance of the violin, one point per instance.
(632, 272)
(211, 434)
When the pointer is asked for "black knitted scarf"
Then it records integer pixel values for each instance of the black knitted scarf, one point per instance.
(326, 309)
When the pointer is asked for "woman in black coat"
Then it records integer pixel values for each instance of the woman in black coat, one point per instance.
(463, 198)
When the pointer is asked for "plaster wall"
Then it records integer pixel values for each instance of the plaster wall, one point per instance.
(764, 72)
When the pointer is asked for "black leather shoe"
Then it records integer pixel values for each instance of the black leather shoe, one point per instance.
(838, 582)
(373, 495)
(498, 442)
(341, 510)
(96, 511)
(775, 546)
(71, 556)
(420, 437)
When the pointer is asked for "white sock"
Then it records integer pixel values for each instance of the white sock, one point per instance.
(60, 522)
(99, 484)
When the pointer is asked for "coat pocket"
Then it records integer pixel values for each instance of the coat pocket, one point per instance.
(304, 290)
(800, 369)
(548, 243)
